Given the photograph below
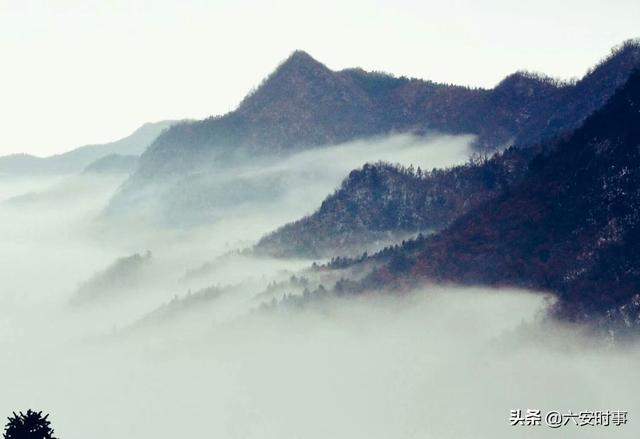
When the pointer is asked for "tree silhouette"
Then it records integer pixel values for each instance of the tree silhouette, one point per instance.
(30, 425)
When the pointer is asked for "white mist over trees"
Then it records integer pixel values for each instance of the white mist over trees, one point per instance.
(162, 358)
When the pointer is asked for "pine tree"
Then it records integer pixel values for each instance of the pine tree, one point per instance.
(30, 425)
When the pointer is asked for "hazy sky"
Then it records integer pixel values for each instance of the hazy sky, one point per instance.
(76, 72)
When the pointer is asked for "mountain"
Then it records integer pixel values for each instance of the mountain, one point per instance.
(586, 96)
(112, 164)
(123, 275)
(383, 202)
(77, 159)
(304, 104)
(571, 226)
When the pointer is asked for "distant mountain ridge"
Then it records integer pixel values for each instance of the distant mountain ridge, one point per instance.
(304, 104)
(77, 159)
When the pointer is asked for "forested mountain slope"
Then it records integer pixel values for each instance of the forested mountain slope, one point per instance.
(572, 225)
(383, 201)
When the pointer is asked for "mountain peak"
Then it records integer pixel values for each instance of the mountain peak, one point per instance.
(300, 57)
(291, 82)
(525, 81)
(300, 54)
(300, 63)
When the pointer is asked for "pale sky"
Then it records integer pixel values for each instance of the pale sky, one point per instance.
(75, 72)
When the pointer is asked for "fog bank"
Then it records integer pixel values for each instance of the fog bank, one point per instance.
(440, 363)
